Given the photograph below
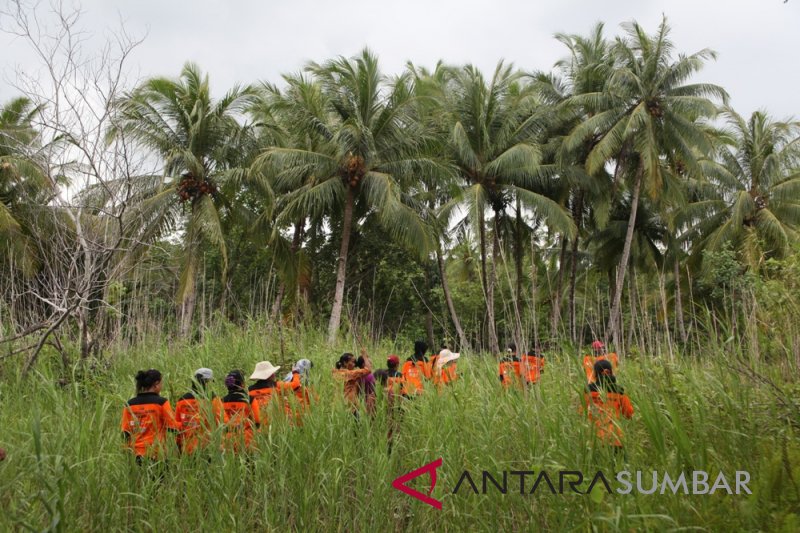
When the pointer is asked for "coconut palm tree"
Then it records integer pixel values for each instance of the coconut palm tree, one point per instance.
(24, 184)
(750, 200)
(368, 157)
(654, 116)
(200, 140)
(575, 91)
(493, 142)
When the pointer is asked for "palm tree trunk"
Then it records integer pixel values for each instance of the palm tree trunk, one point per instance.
(187, 308)
(577, 210)
(462, 339)
(484, 281)
(572, 281)
(679, 301)
(341, 269)
(494, 346)
(555, 315)
(518, 256)
(613, 321)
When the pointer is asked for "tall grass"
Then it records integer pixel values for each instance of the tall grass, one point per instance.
(66, 470)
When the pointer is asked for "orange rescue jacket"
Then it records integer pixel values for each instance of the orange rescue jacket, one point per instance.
(510, 371)
(533, 366)
(145, 422)
(195, 420)
(240, 418)
(604, 408)
(413, 373)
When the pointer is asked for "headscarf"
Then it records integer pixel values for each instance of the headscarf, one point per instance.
(420, 347)
(604, 376)
(302, 367)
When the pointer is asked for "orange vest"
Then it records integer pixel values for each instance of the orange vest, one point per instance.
(240, 419)
(510, 372)
(413, 372)
(605, 409)
(445, 375)
(195, 421)
(302, 398)
(145, 421)
(533, 367)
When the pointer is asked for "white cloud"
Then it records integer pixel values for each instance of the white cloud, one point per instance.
(246, 41)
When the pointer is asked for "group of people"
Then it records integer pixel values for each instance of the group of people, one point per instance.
(148, 417)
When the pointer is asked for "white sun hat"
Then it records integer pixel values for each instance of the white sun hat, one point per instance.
(445, 356)
(264, 370)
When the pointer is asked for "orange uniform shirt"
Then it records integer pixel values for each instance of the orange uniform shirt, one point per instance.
(145, 422)
(605, 408)
(532, 368)
(413, 373)
(296, 396)
(510, 371)
(240, 420)
(446, 375)
(195, 419)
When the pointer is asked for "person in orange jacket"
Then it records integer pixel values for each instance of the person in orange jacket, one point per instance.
(444, 369)
(195, 414)
(415, 369)
(239, 416)
(599, 354)
(347, 372)
(297, 394)
(147, 418)
(265, 390)
(606, 402)
(532, 366)
(510, 368)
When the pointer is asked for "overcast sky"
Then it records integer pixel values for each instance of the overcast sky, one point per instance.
(245, 40)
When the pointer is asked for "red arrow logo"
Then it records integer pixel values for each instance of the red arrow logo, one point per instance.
(400, 483)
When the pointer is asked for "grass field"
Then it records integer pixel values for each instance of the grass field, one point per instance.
(66, 470)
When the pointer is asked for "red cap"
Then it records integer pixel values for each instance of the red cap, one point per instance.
(393, 360)
(596, 345)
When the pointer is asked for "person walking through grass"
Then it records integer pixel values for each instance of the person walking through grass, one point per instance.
(266, 390)
(196, 412)
(444, 369)
(238, 415)
(509, 368)
(416, 368)
(297, 395)
(532, 366)
(605, 403)
(347, 372)
(147, 418)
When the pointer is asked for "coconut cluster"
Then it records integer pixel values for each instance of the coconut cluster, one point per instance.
(191, 188)
(353, 170)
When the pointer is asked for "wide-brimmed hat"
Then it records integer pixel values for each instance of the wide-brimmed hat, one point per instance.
(264, 370)
(445, 356)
